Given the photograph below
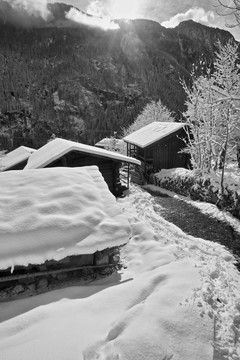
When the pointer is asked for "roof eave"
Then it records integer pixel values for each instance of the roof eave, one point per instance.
(66, 151)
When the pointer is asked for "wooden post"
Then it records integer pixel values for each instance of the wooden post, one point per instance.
(145, 158)
(64, 161)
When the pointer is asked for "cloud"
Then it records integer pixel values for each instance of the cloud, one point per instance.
(24, 12)
(82, 18)
(117, 9)
(34, 13)
(97, 8)
(37, 8)
(197, 14)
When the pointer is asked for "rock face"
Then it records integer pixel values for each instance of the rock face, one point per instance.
(83, 83)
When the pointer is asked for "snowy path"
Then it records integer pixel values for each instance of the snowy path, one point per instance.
(218, 296)
(182, 213)
(177, 299)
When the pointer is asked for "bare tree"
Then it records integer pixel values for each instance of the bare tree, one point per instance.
(202, 117)
(233, 8)
(213, 112)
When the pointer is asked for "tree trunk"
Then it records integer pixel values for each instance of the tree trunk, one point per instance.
(222, 157)
(223, 160)
(238, 155)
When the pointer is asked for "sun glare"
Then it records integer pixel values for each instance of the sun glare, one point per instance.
(127, 9)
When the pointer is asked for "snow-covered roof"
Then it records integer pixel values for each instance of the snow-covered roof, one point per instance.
(57, 212)
(15, 157)
(59, 147)
(153, 132)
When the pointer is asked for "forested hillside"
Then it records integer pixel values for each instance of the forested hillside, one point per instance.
(83, 83)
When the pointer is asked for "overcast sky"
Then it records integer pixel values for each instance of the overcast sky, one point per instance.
(167, 12)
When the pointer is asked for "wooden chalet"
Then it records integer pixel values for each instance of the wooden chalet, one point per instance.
(16, 159)
(157, 146)
(60, 152)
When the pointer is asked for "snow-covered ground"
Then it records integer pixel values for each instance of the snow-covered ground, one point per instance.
(178, 298)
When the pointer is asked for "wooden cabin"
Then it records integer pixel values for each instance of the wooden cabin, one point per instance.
(60, 152)
(16, 159)
(58, 227)
(157, 146)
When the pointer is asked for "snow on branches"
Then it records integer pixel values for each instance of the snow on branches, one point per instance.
(153, 111)
(213, 111)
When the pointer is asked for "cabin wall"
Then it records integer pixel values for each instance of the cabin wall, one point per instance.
(163, 154)
(166, 152)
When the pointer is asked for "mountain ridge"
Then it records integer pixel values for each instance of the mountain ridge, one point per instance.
(83, 83)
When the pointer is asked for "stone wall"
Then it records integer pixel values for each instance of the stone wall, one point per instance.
(72, 270)
(201, 188)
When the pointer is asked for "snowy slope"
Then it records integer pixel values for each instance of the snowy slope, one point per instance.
(178, 299)
(53, 213)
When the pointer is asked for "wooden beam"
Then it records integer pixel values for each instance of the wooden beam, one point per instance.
(50, 272)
